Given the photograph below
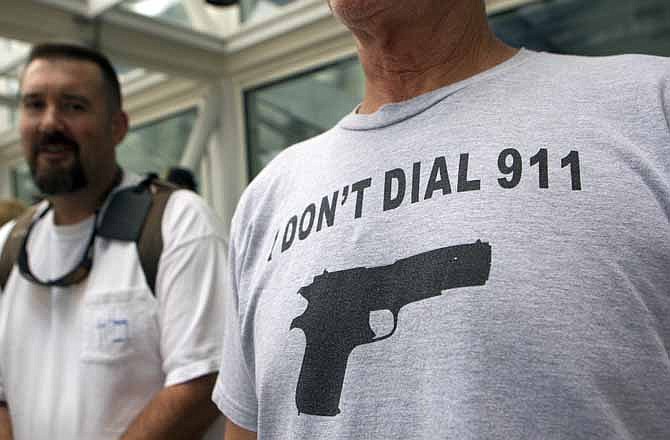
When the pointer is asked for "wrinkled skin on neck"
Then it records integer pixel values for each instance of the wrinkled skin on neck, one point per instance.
(410, 48)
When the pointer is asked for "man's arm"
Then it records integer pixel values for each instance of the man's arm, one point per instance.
(234, 432)
(182, 411)
(188, 292)
(5, 423)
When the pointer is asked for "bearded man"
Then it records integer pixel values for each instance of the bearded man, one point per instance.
(90, 348)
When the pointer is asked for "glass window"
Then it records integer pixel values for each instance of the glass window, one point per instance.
(152, 147)
(169, 11)
(9, 92)
(195, 15)
(24, 189)
(594, 27)
(8, 115)
(289, 111)
(258, 9)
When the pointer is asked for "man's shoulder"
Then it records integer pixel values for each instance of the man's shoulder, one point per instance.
(293, 158)
(4, 232)
(7, 228)
(184, 211)
(188, 217)
(274, 180)
(618, 86)
(271, 189)
(603, 70)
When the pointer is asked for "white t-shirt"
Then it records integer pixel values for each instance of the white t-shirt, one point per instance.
(81, 362)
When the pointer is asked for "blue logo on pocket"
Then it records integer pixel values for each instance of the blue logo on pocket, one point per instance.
(112, 331)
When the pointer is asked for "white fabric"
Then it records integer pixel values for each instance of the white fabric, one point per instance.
(82, 362)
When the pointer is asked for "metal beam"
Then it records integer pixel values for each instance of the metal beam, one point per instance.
(162, 47)
(78, 7)
(200, 18)
(98, 7)
(138, 40)
(208, 119)
(19, 21)
(305, 30)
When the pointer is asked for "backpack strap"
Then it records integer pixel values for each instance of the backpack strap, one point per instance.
(12, 246)
(134, 214)
(150, 242)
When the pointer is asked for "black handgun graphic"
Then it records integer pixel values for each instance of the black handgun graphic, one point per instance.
(337, 318)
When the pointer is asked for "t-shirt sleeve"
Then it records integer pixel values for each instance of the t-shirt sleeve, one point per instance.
(234, 392)
(189, 289)
(4, 233)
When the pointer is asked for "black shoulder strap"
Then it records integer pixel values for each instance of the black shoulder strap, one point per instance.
(133, 214)
(136, 214)
(12, 246)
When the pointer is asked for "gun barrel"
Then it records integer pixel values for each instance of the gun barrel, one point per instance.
(427, 274)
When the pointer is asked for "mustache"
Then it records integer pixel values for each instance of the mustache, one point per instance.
(54, 138)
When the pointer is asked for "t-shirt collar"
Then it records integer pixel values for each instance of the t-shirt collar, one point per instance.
(390, 114)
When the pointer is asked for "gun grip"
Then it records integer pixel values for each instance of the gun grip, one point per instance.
(321, 378)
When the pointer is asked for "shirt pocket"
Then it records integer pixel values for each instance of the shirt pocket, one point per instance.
(118, 325)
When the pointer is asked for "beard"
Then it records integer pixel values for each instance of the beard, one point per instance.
(54, 180)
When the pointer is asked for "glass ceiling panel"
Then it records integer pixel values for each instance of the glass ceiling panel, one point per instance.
(168, 11)
(252, 10)
(196, 15)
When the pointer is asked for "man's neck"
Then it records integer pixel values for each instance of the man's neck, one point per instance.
(74, 207)
(402, 62)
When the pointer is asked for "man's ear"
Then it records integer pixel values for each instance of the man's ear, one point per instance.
(119, 126)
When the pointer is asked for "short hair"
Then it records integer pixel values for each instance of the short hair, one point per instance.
(76, 52)
(182, 177)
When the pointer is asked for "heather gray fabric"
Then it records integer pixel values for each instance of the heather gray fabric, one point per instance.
(563, 334)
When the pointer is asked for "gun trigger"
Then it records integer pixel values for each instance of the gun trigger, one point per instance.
(379, 323)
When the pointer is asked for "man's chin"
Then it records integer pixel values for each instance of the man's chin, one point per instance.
(56, 183)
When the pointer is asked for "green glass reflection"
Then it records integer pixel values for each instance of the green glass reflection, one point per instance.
(155, 147)
(24, 189)
(289, 111)
(256, 9)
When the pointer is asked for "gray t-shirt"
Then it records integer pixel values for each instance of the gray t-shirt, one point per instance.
(517, 223)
